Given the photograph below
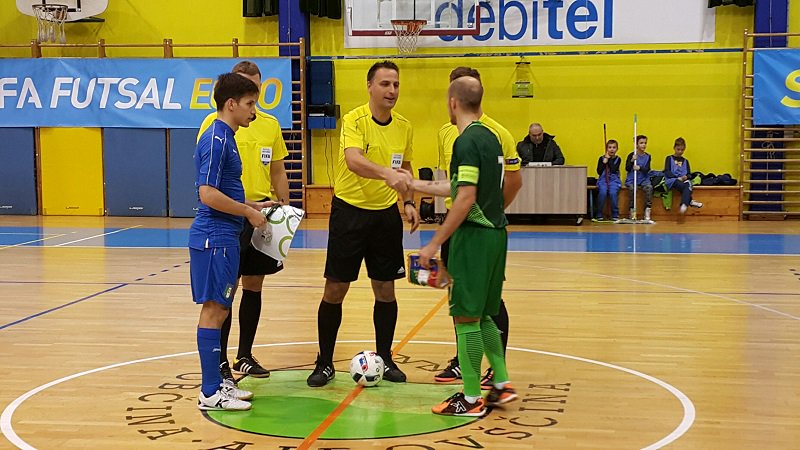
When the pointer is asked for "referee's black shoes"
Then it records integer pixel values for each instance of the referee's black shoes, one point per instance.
(322, 374)
(392, 372)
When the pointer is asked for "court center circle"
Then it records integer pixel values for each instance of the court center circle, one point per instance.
(684, 425)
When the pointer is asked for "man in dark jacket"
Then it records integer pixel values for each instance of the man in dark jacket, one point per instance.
(539, 146)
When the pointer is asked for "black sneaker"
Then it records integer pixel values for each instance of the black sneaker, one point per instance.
(248, 365)
(322, 374)
(451, 373)
(457, 405)
(487, 380)
(225, 373)
(392, 372)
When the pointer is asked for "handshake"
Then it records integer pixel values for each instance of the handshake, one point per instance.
(401, 180)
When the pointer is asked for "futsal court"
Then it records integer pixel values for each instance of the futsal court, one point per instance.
(620, 337)
(680, 334)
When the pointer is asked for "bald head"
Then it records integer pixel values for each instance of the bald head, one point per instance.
(536, 133)
(468, 92)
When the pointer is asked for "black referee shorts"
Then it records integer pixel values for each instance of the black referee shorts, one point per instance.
(356, 234)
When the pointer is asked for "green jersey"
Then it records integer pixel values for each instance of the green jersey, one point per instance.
(478, 161)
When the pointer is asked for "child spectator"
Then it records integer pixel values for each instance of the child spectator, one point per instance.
(639, 161)
(676, 175)
(608, 180)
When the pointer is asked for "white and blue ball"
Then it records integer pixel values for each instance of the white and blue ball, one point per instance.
(366, 368)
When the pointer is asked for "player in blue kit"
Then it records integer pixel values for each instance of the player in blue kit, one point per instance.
(214, 235)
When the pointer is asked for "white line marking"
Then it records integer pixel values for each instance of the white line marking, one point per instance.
(31, 242)
(683, 427)
(96, 236)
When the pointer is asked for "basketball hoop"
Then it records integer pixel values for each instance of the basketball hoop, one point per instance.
(407, 31)
(50, 20)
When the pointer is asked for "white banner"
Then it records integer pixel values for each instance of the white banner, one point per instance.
(523, 23)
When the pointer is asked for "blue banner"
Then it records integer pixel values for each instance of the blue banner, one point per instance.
(776, 90)
(128, 93)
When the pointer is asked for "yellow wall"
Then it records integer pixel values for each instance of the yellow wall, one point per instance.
(691, 95)
(147, 22)
(696, 96)
(71, 161)
(71, 158)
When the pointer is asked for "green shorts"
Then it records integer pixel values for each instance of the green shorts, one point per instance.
(477, 264)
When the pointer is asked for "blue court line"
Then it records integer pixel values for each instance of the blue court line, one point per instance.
(33, 316)
(524, 241)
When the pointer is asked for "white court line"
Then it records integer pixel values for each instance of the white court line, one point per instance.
(31, 242)
(682, 428)
(662, 285)
(96, 236)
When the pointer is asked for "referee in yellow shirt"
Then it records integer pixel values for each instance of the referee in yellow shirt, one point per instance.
(365, 223)
(262, 151)
(512, 182)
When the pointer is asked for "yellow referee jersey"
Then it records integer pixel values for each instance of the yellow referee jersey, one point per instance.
(385, 145)
(449, 132)
(259, 145)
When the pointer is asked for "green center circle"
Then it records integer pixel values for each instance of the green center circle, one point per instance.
(284, 406)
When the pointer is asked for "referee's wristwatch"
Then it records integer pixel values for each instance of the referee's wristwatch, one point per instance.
(410, 202)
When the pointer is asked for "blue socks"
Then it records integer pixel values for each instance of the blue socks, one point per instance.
(208, 347)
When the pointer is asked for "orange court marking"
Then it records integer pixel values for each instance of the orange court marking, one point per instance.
(311, 438)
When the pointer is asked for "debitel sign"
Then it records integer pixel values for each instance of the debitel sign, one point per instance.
(567, 22)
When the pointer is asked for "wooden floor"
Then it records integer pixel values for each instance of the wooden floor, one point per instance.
(611, 350)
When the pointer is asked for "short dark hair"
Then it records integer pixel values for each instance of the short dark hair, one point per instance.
(247, 68)
(469, 93)
(385, 64)
(680, 142)
(640, 137)
(612, 141)
(232, 85)
(463, 71)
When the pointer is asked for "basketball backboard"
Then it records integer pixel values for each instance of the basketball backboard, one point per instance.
(443, 17)
(76, 9)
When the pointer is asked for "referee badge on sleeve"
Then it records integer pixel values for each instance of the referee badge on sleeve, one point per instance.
(266, 155)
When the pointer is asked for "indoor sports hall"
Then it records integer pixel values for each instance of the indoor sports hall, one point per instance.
(678, 332)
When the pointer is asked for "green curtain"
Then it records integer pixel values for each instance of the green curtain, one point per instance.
(715, 3)
(323, 8)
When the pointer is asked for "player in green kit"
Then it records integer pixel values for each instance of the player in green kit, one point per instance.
(512, 182)
(476, 226)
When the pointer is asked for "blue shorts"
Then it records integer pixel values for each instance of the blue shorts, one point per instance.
(214, 272)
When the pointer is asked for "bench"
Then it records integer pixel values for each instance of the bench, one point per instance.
(719, 202)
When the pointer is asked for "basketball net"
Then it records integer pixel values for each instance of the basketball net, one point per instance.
(407, 32)
(50, 20)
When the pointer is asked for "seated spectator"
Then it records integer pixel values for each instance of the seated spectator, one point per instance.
(539, 146)
(639, 161)
(608, 181)
(676, 175)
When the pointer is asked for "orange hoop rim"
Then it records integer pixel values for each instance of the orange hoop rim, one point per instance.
(410, 25)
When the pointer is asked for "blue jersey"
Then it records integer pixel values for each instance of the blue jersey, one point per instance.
(217, 164)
